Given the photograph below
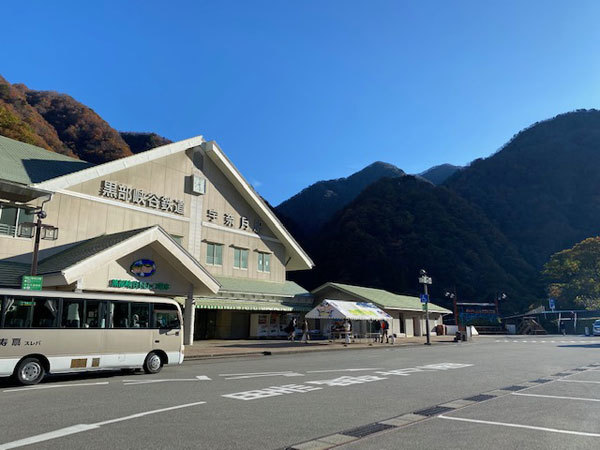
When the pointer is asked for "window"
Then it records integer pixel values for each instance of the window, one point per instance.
(264, 262)
(45, 313)
(27, 312)
(95, 314)
(140, 313)
(11, 217)
(17, 312)
(83, 314)
(119, 313)
(240, 258)
(178, 239)
(214, 254)
(72, 313)
(165, 316)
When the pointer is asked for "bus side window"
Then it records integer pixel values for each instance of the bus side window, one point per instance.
(72, 311)
(140, 314)
(17, 312)
(45, 312)
(165, 316)
(95, 314)
(120, 315)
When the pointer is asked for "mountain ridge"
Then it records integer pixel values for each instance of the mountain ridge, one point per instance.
(59, 123)
(322, 199)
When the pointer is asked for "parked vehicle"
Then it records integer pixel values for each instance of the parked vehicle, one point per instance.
(56, 332)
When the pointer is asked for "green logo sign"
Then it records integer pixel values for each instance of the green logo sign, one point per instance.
(128, 284)
(31, 283)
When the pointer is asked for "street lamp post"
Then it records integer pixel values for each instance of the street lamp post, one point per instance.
(499, 296)
(425, 280)
(452, 295)
(36, 246)
(37, 230)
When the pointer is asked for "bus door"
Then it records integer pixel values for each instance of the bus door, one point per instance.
(167, 327)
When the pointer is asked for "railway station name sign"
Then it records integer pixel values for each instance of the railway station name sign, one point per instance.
(118, 191)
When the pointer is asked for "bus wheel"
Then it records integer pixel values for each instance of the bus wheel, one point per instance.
(29, 371)
(153, 363)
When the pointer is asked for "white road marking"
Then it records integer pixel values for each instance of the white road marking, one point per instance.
(241, 376)
(62, 432)
(52, 386)
(578, 381)
(344, 370)
(165, 380)
(559, 397)
(517, 425)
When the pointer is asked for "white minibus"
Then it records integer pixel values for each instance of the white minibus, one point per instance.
(56, 332)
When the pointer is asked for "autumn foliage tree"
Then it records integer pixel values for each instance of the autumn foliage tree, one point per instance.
(573, 275)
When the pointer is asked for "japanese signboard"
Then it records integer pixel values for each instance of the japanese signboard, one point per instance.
(31, 283)
(129, 284)
(117, 191)
(229, 221)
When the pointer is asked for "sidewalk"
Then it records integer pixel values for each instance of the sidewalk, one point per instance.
(216, 348)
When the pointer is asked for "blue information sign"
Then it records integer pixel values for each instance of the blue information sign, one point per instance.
(424, 298)
(551, 303)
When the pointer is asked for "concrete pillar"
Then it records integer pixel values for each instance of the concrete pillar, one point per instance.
(188, 320)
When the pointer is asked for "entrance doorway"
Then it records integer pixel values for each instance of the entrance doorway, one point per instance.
(206, 324)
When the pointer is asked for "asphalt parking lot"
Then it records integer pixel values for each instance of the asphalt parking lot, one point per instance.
(558, 411)
(505, 392)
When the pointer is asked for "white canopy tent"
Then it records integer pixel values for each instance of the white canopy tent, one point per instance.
(339, 310)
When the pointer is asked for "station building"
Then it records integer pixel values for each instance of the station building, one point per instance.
(178, 221)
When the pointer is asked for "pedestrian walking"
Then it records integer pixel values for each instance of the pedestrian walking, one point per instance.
(291, 329)
(305, 333)
(376, 330)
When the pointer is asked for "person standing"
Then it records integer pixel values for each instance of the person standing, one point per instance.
(305, 333)
(384, 331)
(347, 330)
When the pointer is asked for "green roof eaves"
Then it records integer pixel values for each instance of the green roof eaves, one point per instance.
(387, 299)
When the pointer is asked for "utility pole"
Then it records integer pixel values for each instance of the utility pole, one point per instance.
(425, 280)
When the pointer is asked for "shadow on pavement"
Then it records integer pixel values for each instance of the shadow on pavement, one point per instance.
(581, 345)
(65, 377)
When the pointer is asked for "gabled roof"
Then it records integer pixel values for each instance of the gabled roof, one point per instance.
(298, 259)
(26, 164)
(66, 181)
(384, 299)
(82, 258)
(83, 250)
(12, 272)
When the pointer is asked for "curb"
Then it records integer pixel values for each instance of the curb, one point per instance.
(299, 350)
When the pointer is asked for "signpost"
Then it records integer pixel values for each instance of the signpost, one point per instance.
(31, 283)
(551, 303)
(425, 280)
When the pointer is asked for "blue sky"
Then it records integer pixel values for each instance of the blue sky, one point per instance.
(299, 91)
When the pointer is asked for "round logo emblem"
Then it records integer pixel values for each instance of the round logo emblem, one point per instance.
(143, 268)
